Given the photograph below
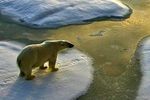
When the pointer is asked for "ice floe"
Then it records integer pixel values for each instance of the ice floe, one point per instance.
(71, 81)
(144, 57)
(57, 13)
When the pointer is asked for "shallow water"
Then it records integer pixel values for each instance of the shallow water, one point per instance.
(111, 44)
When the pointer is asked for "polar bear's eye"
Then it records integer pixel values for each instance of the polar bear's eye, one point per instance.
(62, 43)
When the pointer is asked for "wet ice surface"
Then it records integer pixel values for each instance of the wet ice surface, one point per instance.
(72, 79)
(144, 54)
(56, 13)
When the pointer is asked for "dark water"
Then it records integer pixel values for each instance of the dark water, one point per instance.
(110, 43)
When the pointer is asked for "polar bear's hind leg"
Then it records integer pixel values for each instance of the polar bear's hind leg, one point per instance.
(28, 74)
(22, 74)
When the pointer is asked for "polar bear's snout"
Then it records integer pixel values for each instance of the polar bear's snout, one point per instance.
(70, 45)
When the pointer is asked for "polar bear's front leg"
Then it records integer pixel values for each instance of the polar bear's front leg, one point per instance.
(52, 64)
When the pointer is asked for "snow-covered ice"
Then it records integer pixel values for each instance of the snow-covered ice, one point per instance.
(144, 55)
(72, 79)
(57, 13)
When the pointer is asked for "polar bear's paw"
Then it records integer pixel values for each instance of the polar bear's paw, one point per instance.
(30, 77)
(55, 69)
(21, 74)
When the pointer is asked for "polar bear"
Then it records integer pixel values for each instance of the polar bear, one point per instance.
(36, 55)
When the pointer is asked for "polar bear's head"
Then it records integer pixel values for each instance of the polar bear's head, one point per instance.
(59, 44)
(62, 44)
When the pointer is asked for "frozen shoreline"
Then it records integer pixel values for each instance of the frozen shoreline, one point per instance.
(143, 54)
(58, 13)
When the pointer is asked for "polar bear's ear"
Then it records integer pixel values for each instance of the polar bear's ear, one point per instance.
(62, 43)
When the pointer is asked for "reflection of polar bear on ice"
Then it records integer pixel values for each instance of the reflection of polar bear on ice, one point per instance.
(37, 54)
